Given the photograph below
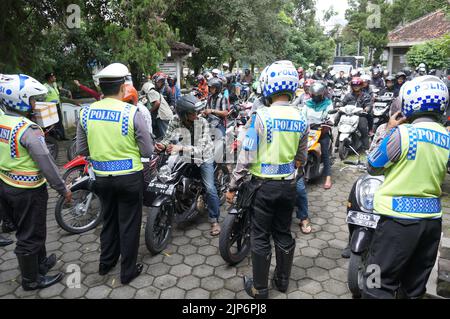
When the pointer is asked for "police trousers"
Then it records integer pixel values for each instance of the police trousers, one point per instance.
(405, 251)
(27, 209)
(272, 215)
(122, 198)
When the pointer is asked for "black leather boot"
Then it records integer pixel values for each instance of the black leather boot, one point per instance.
(256, 287)
(47, 263)
(31, 279)
(5, 241)
(282, 271)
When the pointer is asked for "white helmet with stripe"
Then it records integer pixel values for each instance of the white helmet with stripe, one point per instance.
(16, 90)
(280, 77)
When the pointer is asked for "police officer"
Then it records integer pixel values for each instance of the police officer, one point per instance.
(413, 157)
(116, 136)
(275, 141)
(25, 166)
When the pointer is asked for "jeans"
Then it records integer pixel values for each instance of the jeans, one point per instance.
(325, 141)
(302, 200)
(212, 199)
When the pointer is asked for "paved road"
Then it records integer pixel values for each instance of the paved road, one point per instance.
(191, 266)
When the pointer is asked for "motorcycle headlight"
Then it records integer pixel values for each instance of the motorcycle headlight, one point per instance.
(165, 174)
(365, 193)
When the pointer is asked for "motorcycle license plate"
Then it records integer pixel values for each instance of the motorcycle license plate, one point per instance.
(362, 219)
(160, 188)
(380, 105)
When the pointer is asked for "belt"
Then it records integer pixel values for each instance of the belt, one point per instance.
(26, 179)
(277, 179)
(113, 166)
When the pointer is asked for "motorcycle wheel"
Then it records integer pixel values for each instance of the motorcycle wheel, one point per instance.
(52, 145)
(81, 215)
(234, 239)
(355, 275)
(72, 174)
(343, 151)
(222, 178)
(158, 230)
(71, 151)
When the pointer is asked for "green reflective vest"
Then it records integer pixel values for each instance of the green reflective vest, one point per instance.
(412, 187)
(109, 125)
(283, 128)
(17, 168)
(52, 94)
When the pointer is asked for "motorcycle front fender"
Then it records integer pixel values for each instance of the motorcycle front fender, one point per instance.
(161, 199)
(343, 136)
(77, 161)
(361, 239)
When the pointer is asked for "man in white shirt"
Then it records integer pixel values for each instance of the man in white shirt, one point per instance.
(159, 108)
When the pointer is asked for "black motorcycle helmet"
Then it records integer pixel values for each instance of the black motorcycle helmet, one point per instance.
(318, 91)
(216, 83)
(376, 72)
(407, 70)
(187, 104)
(231, 78)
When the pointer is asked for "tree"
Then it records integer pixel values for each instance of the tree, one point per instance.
(435, 53)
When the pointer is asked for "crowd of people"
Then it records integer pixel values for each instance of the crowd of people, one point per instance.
(125, 126)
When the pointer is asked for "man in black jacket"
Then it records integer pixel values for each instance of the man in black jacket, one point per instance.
(360, 99)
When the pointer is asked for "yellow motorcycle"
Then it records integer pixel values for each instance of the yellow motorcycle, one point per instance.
(314, 165)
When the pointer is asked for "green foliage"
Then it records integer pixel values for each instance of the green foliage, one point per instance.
(435, 53)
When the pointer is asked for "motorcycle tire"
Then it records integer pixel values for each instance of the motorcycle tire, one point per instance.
(343, 151)
(52, 145)
(222, 179)
(158, 230)
(79, 197)
(355, 272)
(71, 151)
(231, 225)
(77, 171)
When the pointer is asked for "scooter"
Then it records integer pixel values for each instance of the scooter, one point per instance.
(349, 135)
(362, 222)
(381, 108)
(314, 164)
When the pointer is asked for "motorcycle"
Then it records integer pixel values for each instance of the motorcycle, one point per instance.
(338, 95)
(349, 136)
(314, 164)
(234, 239)
(179, 197)
(381, 108)
(84, 212)
(364, 222)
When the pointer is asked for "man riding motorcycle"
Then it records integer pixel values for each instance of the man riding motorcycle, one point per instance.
(316, 111)
(217, 103)
(360, 99)
(202, 87)
(377, 79)
(401, 79)
(389, 86)
(201, 149)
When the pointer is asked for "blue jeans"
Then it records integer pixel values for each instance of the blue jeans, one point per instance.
(212, 199)
(302, 200)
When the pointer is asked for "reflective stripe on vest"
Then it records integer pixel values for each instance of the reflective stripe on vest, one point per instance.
(412, 187)
(17, 168)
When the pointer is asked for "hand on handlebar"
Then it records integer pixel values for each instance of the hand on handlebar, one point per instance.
(160, 147)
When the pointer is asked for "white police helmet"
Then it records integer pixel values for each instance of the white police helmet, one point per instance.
(424, 95)
(281, 78)
(113, 71)
(16, 90)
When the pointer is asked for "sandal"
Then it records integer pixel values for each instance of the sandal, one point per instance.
(215, 229)
(305, 227)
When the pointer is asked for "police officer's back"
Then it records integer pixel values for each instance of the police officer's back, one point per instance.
(25, 166)
(273, 143)
(413, 157)
(115, 135)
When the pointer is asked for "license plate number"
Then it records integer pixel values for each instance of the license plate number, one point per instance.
(362, 219)
(160, 188)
